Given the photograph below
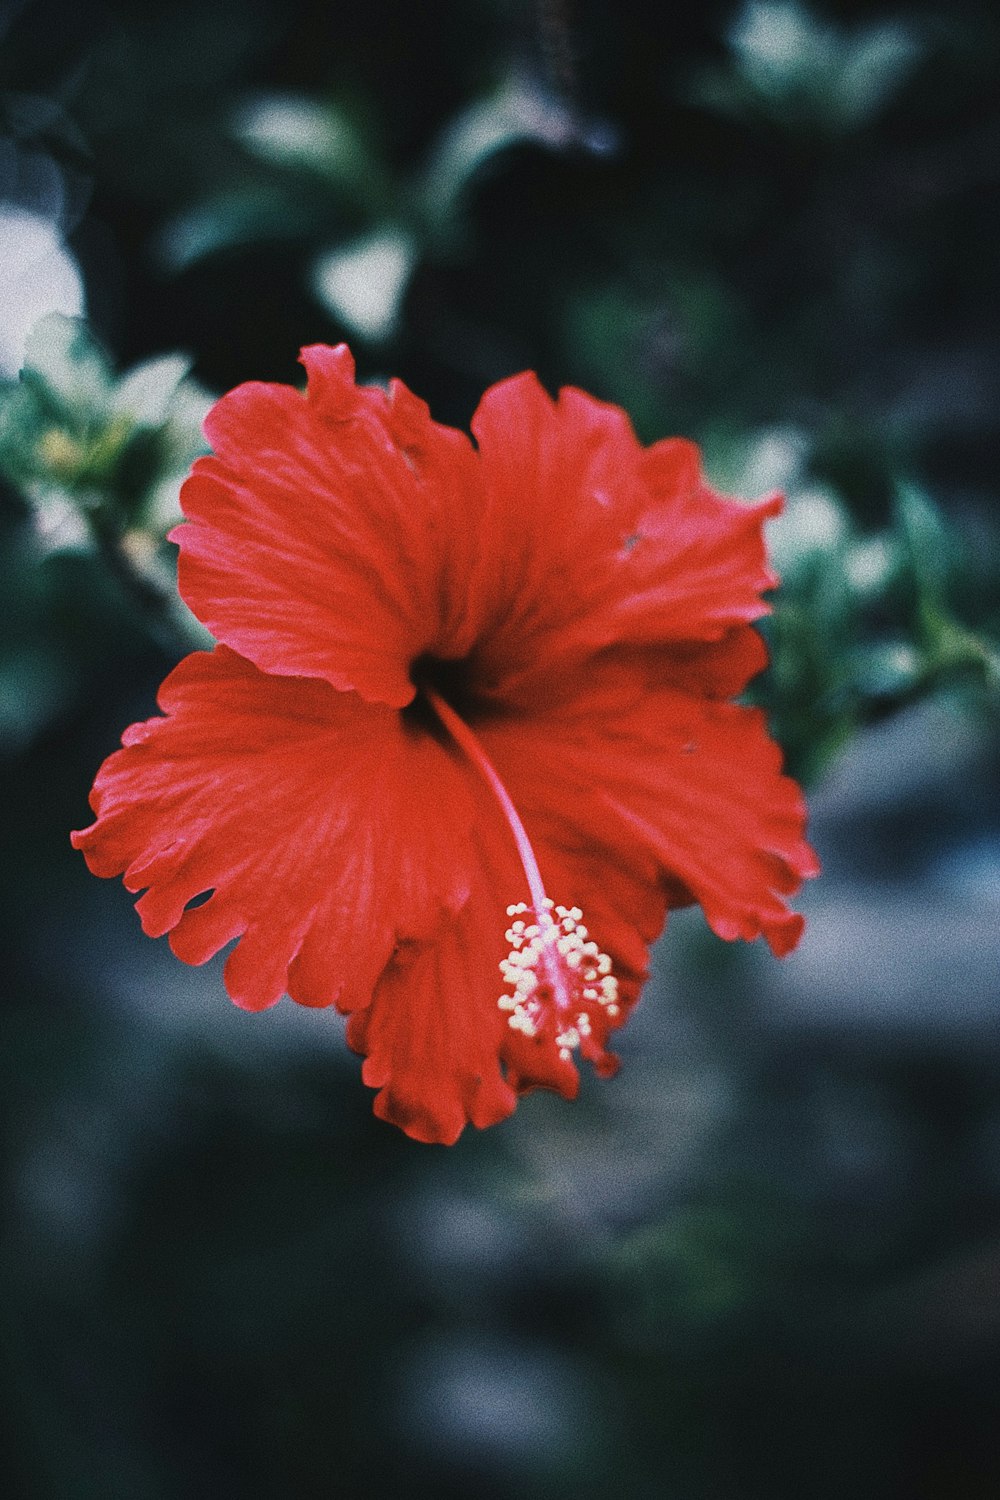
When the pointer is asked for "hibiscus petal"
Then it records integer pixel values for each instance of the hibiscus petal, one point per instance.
(711, 669)
(439, 1049)
(681, 793)
(326, 830)
(433, 1033)
(698, 561)
(315, 535)
(587, 541)
(561, 493)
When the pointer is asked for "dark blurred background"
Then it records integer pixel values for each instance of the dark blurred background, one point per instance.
(764, 1262)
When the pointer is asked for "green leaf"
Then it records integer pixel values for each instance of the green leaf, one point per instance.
(64, 361)
(145, 394)
(294, 131)
(519, 110)
(363, 284)
(888, 669)
(800, 71)
(814, 527)
(929, 543)
(230, 219)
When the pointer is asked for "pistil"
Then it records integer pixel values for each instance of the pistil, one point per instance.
(562, 988)
(464, 737)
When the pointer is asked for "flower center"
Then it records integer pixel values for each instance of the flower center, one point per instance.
(435, 676)
(560, 981)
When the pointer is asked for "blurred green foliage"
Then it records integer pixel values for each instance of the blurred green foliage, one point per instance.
(98, 462)
(76, 442)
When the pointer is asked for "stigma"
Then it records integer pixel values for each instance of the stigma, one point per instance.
(560, 982)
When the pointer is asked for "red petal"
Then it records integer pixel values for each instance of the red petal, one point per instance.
(699, 562)
(433, 1033)
(264, 791)
(315, 537)
(562, 491)
(710, 669)
(439, 1049)
(684, 795)
(589, 541)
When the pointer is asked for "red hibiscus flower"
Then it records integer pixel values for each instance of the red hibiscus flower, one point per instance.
(452, 679)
